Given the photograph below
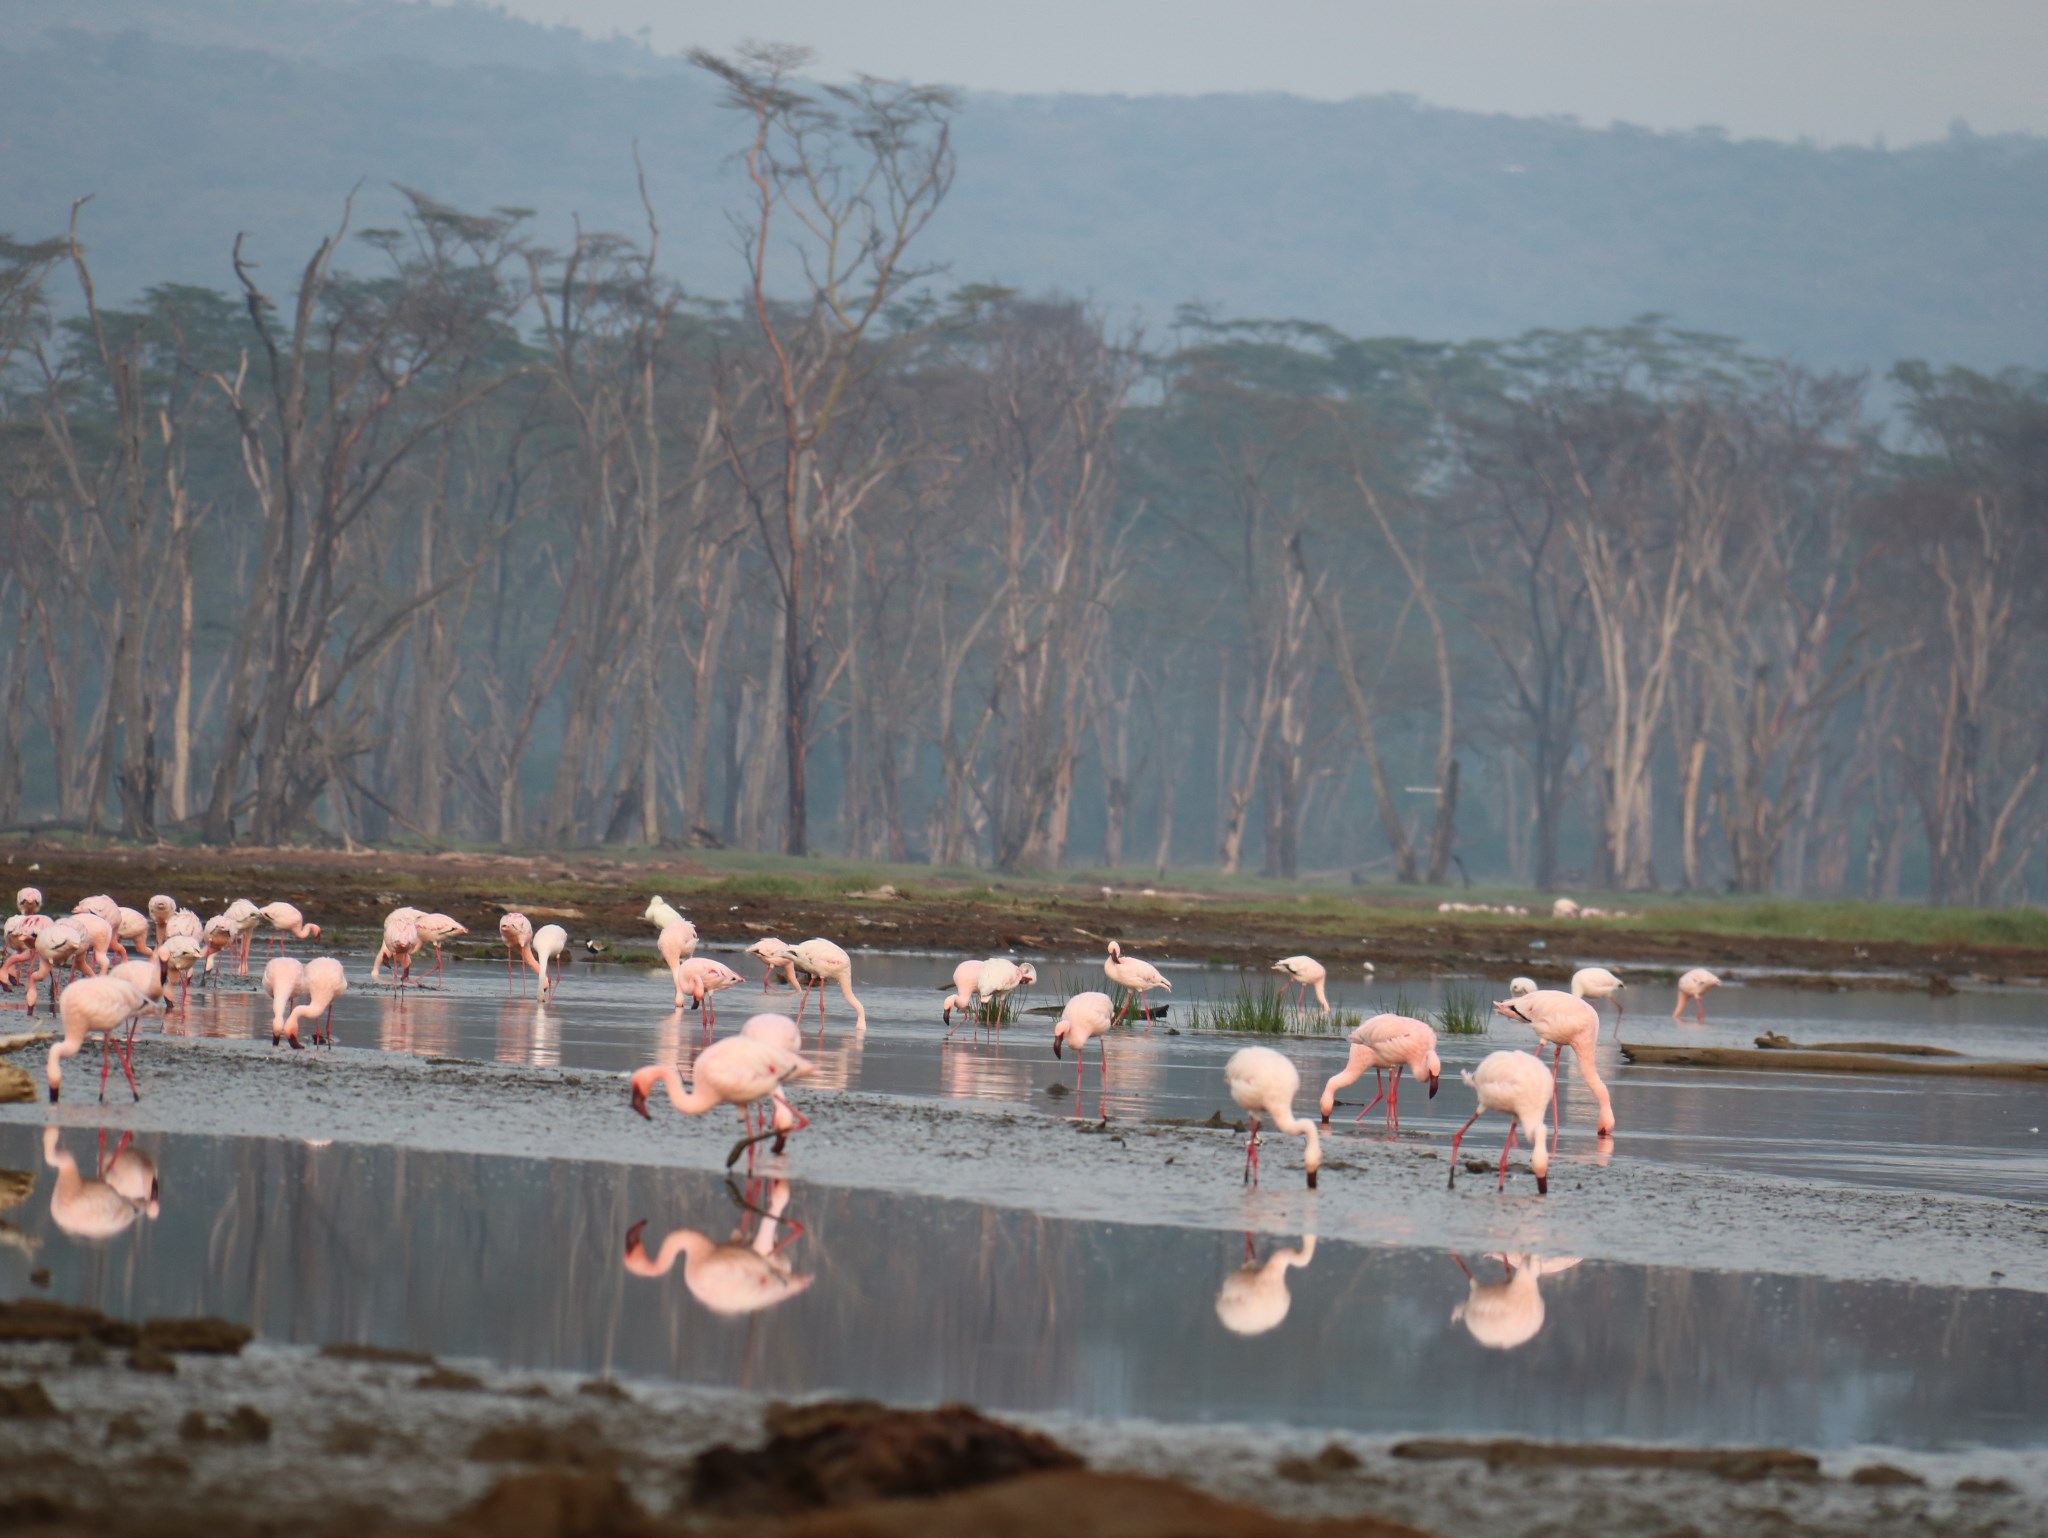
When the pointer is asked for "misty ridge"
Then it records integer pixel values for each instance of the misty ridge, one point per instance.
(497, 526)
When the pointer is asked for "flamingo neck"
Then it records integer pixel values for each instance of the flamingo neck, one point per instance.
(692, 1102)
(1361, 1058)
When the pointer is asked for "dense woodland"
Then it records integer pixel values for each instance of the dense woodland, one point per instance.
(473, 528)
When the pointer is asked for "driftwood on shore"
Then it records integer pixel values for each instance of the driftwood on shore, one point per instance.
(1776, 1043)
(1819, 1061)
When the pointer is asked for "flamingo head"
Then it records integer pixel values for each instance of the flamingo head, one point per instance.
(633, 1236)
(309, 932)
(1512, 1008)
(1433, 1070)
(1059, 1035)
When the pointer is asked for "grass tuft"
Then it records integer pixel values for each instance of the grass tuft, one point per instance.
(1464, 1013)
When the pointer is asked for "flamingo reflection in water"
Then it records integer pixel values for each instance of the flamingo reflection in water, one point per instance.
(741, 1276)
(1254, 1297)
(122, 1189)
(1508, 1313)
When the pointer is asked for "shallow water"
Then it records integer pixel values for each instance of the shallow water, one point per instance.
(520, 1262)
(1980, 1137)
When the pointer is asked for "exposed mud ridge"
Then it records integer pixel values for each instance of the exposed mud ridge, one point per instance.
(346, 1442)
(603, 899)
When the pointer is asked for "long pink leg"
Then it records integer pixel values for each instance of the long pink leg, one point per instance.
(1251, 1150)
(1394, 1100)
(1379, 1079)
(1507, 1148)
(1459, 1137)
(1556, 1058)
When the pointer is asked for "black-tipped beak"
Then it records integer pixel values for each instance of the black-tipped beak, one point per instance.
(1056, 1046)
(640, 1105)
(1542, 1185)
(633, 1235)
(1433, 1079)
(53, 1094)
(1312, 1179)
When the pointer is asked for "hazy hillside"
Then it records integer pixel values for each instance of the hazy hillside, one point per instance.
(190, 119)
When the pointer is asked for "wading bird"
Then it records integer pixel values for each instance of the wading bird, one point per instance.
(1520, 986)
(1383, 1043)
(436, 929)
(783, 1032)
(700, 977)
(1559, 1021)
(738, 1071)
(161, 907)
(1597, 983)
(660, 913)
(1137, 978)
(245, 916)
(1518, 1085)
(102, 1004)
(282, 978)
(516, 930)
(401, 944)
(677, 943)
(324, 982)
(180, 954)
(1086, 1016)
(28, 900)
(549, 941)
(286, 922)
(966, 979)
(1304, 973)
(820, 961)
(998, 978)
(1263, 1083)
(1692, 987)
(776, 955)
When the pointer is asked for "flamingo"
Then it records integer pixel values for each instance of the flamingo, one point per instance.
(246, 917)
(1087, 1015)
(677, 943)
(1521, 985)
(738, 1071)
(773, 953)
(728, 1279)
(58, 943)
(1508, 1313)
(20, 934)
(660, 913)
(131, 931)
(1137, 978)
(516, 930)
(102, 1004)
(180, 954)
(106, 1205)
(323, 983)
(1305, 972)
(1597, 983)
(401, 942)
(783, 1032)
(436, 929)
(1261, 1081)
(28, 900)
(1693, 985)
(549, 941)
(1560, 1020)
(821, 961)
(218, 935)
(184, 922)
(287, 922)
(149, 977)
(1518, 1084)
(282, 979)
(966, 979)
(161, 907)
(998, 978)
(99, 938)
(1381, 1043)
(1254, 1297)
(108, 912)
(699, 978)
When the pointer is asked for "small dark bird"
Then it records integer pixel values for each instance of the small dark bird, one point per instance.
(597, 947)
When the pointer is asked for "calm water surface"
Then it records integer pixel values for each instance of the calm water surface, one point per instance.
(1982, 1137)
(524, 1263)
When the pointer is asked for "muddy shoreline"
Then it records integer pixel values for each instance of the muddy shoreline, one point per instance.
(602, 899)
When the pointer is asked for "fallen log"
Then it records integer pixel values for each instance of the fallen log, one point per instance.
(1772, 1041)
(1825, 1062)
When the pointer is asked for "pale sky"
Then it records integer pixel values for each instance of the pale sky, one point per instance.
(1839, 71)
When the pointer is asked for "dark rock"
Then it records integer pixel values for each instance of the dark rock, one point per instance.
(15, 1186)
(604, 1388)
(352, 1439)
(146, 1358)
(88, 1353)
(1885, 1474)
(16, 1087)
(26, 1402)
(1984, 1487)
(41, 1319)
(163, 1465)
(1738, 1463)
(128, 1426)
(556, 1503)
(447, 1378)
(350, 1351)
(212, 1337)
(843, 1452)
(1333, 1462)
(578, 1444)
(32, 1509)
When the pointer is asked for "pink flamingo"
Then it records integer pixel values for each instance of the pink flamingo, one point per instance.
(401, 944)
(323, 983)
(28, 900)
(185, 922)
(516, 930)
(161, 907)
(1262, 1082)
(108, 912)
(1304, 972)
(783, 1032)
(1693, 986)
(699, 978)
(180, 954)
(549, 941)
(728, 1279)
(998, 979)
(821, 962)
(246, 918)
(102, 1004)
(436, 929)
(966, 976)
(286, 922)
(1519, 1085)
(219, 937)
(106, 1205)
(20, 934)
(664, 917)
(1086, 1016)
(283, 976)
(99, 939)
(677, 943)
(1387, 1042)
(1137, 978)
(131, 932)
(58, 943)
(1597, 983)
(738, 1071)
(776, 956)
(1561, 1021)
